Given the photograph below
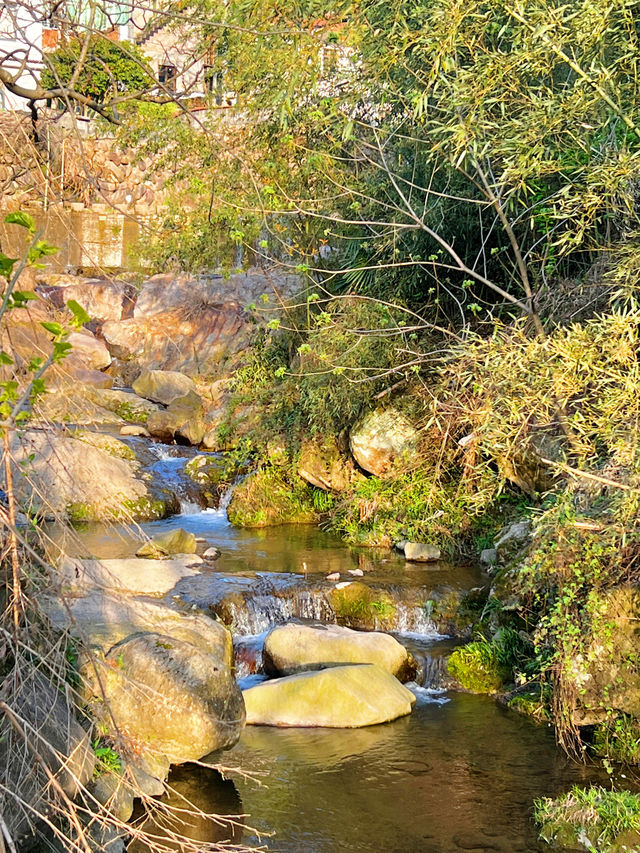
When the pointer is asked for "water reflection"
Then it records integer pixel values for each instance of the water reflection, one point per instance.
(194, 789)
(455, 776)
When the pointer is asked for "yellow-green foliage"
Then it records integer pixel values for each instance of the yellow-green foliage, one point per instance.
(270, 496)
(477, 667)
(579, 386)
(594, 818)
(359, 606)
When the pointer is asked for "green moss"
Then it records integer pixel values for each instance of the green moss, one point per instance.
(593, 819)
(108, 444)
(78, 511)
(131, 414)
(271, 496)
(206, 470)
(477, 667)
(359, 606)
(143, 509)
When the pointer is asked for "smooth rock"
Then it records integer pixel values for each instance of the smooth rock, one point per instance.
(135, 429)
(211, 553)
(166, 544)
(127, 406)
(334, 576)
(102, 618)
(421, 552)
(380, 439)
(295, 648)
(149, 577)
(68, 477)
(169, 696)
(163, 386)
(356, 573)
(338, 697)
(115, 793)
(324, 466)
(88, 350)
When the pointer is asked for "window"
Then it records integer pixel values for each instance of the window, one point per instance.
(167, 75)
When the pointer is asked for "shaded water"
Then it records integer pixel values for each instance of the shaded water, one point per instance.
(456, 775)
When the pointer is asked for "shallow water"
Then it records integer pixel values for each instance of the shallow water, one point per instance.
(457, 775)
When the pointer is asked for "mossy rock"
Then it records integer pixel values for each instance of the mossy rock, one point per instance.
(110, 445)
(476, 668)
(358, 606)
(532, 703)
(267, 498)
(166, 544)
(206, 470)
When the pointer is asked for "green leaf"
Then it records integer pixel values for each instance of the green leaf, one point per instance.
(54, 328)
(6, 265)
(5, 358)
(61, 349)
(80, 316)
(19, 217)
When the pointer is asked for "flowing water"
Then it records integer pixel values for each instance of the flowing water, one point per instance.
(459, 774)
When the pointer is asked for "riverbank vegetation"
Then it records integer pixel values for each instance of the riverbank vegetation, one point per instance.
(458, 183)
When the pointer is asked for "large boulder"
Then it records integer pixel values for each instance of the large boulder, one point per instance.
(293, 648)
(193, 324)
(181, 420)
(61, 476)
(63, 747)
(163, 386)
(325, 467)
(125, 405)
(129, 574)
(103, 618)
(338, 697)
(88, 351)
(103, 299)
(168, 696)
(380, 439)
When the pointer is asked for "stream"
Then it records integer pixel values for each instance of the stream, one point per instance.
(459, 774)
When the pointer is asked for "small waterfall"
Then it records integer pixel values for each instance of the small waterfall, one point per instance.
(414, 619)
(257, 613)
(189, 507)
(225, 499)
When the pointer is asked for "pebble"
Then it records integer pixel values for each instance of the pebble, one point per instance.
(334, 577)
(357, 573)
(211, 553)
(134, 429)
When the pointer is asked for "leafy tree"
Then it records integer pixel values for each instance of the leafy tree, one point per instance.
(108, 70)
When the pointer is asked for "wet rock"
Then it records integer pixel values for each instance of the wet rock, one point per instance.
(293, 648)
(382, 438)
(421, 552)
(151, 577)
(165, 544)
(102, 618)
(338, 697)
(55, 734)
(163, 386)
(334, 576)
(358, 606)
(211, 553)
(169, 696)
